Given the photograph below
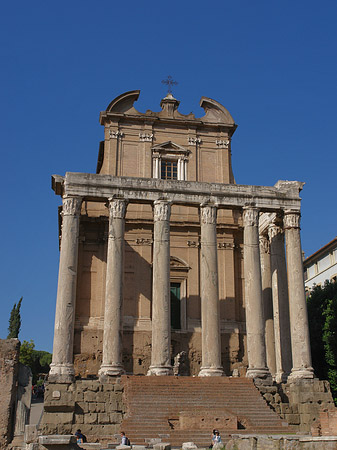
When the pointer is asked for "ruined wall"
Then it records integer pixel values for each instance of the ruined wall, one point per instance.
(9, 367)
(96, 408)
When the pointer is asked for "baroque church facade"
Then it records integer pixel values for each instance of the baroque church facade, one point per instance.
(167, 265)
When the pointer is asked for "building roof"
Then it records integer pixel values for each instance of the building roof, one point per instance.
(320, 252)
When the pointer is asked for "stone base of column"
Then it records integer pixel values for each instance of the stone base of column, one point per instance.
(160, 371)
(281, 377)
(300, 374)
(61, 373)
(211, 372)
(262, 373)
(110, 370)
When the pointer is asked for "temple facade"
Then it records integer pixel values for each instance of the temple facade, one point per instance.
(167, 266)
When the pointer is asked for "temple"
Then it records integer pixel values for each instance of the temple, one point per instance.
(167, 265)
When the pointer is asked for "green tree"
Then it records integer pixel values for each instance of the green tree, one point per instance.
(330, 343)
(37, 360)
(14, 321)
(26, 353)
(322, 314)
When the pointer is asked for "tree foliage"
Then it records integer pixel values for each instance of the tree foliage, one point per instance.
(15, 321)
(37, 360)
(322, 313)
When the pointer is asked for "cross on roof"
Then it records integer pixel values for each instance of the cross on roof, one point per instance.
(170, 82)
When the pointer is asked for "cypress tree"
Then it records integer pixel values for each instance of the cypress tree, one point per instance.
(15, 321)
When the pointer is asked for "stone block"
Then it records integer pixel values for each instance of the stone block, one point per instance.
(81, 407)
(307, 418)
(31, 434)
(138, 447)
(79, 418)
(292, 419)
(285, 408)
(58, 418)
(103, 418)
(113, 404)
(162, 446)
(98, 407)
(60, 401)
(116, 417)
(189, 446)
(123, 447)
(79, 396)
(58, 442)
(90, 418)
(268, 397)
(32, 446)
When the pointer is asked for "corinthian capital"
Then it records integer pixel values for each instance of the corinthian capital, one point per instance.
(71, 206)
(264, 244)
(250, 216)
(162, 210)
(117, 208)
(274, 230)
(208, 214)
(291, 219)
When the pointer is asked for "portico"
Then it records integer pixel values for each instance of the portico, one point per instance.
(210, 198)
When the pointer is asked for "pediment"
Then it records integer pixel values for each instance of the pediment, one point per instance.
(170, 147)
(178, 264)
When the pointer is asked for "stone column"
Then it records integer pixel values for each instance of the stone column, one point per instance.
(267, 303)
(210, 307)
(256, 347)
(280, 302)
(62, 366)
(161, 296)
(113, 311)
(300, 342)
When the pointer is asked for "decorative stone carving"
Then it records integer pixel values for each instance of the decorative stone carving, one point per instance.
(264, 244)
(226, 245)
(194, 141)
(162, 210)
(116, 134)
(291, 219)
(222, 143)
(143, 241)
(250, 216)
(146, 137)
(117, 208)
(71, 206)
(274, 230)
(208, 214)
(194, 244)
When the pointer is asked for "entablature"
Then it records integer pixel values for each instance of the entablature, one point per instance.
(95, 187)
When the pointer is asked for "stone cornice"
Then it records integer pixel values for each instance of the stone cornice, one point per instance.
(97, 187)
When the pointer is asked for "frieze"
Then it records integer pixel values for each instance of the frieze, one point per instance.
(71, 206)
(208, 214)
(193, 244)
(116, 134)
(162, 210)
(226, 245)
(291, 220)
(143, 241)
(222, 143)
(117, 208)
(250, 217)
(194, 141)
(146, 137)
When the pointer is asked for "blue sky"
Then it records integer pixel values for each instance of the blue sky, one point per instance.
(271, 63)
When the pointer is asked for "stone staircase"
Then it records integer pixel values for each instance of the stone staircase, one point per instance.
(183, 409)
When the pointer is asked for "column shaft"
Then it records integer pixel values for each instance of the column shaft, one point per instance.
(161, 297)
(62, 367)
(300, 342)
(256, 348)
(113, 311)
(210, 307)
(267, 303)
(280, 303)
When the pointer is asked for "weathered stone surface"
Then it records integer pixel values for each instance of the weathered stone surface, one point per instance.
(162, 446)
(9, 368)
(188, 446)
